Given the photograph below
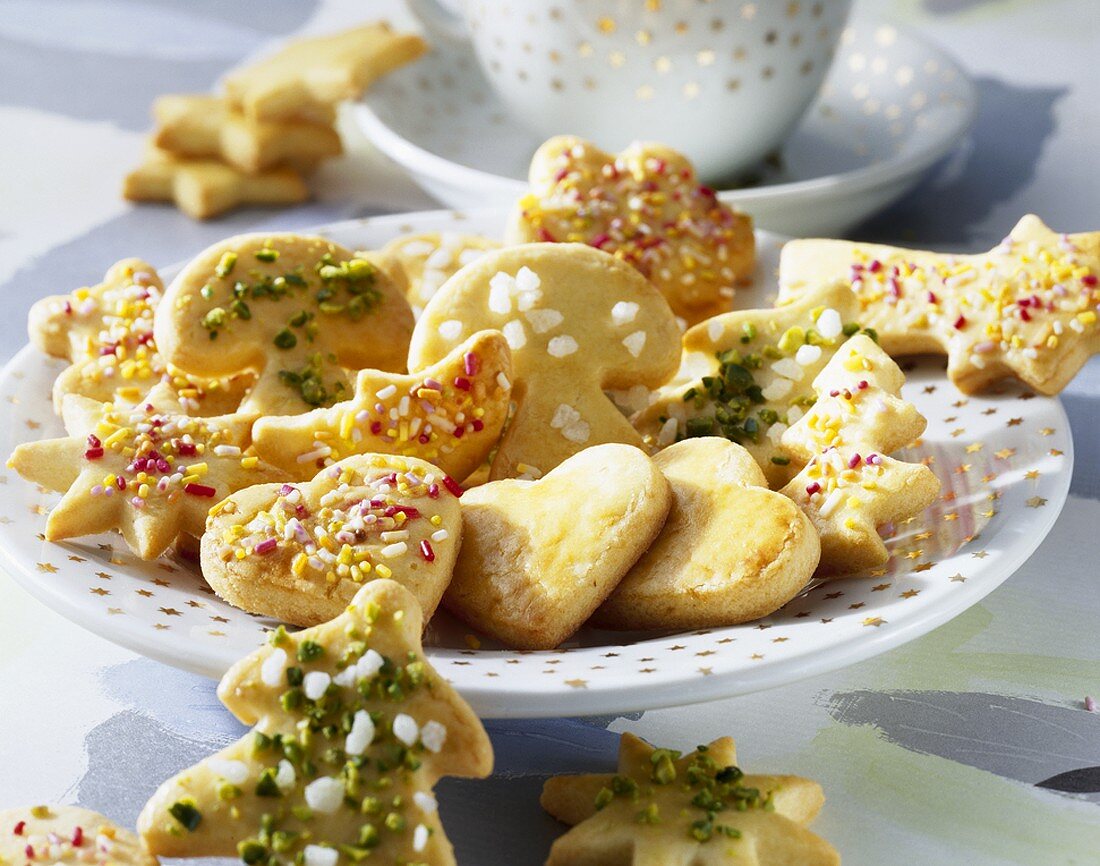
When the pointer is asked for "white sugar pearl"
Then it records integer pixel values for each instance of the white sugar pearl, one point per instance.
(433, 735)
(420, 838)
(624, 312)
(450, 329)
(405, 729)
(635, 343)
(318, 855)
(425, 801)
(273, 668)
(361, 734)
(324, 794)
(514, 334)
(285, 775)
(234, 772)
(561, 346)
(315, 684)
(829, 324)
(807, 355)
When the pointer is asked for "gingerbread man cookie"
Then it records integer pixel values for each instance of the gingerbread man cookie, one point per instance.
(730, 551)
(295, 309)
(69, 835)
(351, 728)
(747, 375)
(299, 552)
(431, 258)
(696, 809)
(148, 471)
(1026, 309)
(849, 486)
(450, 414)
(578, 321)
(646, 207)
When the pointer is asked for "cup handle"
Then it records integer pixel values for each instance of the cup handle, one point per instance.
(438, 20)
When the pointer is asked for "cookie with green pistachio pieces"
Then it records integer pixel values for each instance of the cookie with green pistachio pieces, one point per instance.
(296, 310)
(1026, 309)
(299, 552)
(450, 414)
(69, 835)
(351, 730)
(747, 375)
(664, 808)
(148, 471)
(848, 485)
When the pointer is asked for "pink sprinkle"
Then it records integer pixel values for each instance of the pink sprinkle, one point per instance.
(462, 383)
(1090, 705)
(266, 546)
(203, 490)
(599, 240)
(21, 826)
(862, 385)
(932, 299)
(68, 309)
(875, 266)
(433, 384)
(286, 489)
(426, 550)
(813, 488)
(453, 486)
(137, 502)
(1089, 279)
(120, 482)
(433, 491)
(471, 362)
(854, 461)
(29, 851)
(478, 425)
(459, 431)
(187, 449)
(873, 459)
(960, 323)
(78, 837)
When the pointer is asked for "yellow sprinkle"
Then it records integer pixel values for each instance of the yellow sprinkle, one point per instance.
(435, 519)
(249, 462)
(383, 571)
(1087, 318)
(116, 437)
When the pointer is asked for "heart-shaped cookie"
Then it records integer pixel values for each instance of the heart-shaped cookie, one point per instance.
(731, 550)
(299, 552)
(538, 557)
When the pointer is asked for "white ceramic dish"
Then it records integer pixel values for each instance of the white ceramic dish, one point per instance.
(891, 106)
(1005, 461)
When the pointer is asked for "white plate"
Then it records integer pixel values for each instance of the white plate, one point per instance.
(1005, 461)
(891, 106)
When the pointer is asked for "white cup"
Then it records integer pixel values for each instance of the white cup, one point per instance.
(722, 81)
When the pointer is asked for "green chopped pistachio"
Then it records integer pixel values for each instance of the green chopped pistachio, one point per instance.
(369, 837)
(394, 822)
(604, 797)
(228, 791)
(850, 329)
(266, 785)
(44, 811)
(309, 650)
(267, 254)
(185, 812)
(779, 460)
(649, 815)
(278, 636)
(285, 339)
(226, 264)
(251, 851)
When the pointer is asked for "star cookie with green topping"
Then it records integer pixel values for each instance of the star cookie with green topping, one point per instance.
(351, 728)
(698, 809)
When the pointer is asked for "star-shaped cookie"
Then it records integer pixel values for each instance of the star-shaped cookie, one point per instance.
(149, 471)
(747, 375)
(351, 728)
(848, 486)
(699, 809)
(1026, 309)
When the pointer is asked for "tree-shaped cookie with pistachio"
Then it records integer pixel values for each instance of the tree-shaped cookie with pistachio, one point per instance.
(578, 321)
(106, 331)
(664, 808)
(299, 552)
(1025, 309)
(296, 310)
(149, 471)
(747, 376)
(450, 414)
(351, 729)
(848, 485)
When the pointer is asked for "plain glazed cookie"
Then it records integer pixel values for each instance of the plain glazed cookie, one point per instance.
(351, 729)
(538, 557)
(731, 550)
(431, 258)
(299, 552)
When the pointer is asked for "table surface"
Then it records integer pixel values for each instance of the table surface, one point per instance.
(937, 748)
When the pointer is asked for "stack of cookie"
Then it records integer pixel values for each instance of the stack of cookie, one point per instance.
(274, 123)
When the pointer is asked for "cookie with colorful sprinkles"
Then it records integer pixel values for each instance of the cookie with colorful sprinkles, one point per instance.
(296, 310)
(299, 552)
(351, 728)
(1027, 309)
(646, 207)
(666, 808)
(849, 486)
(69, 835)
(431, 258)
(747, 376)
(149, 471)
(578, 321)
(450, 414)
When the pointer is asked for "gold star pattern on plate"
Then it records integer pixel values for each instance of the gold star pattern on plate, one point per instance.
(351, 729)
(875, 621)
(46, 567)
(148, 471)
(1036, 502)
(698, 809)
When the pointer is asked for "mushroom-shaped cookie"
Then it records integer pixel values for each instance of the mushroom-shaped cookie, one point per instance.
(431, 258)
(849, 487)
(67, 836)
(730, 551)
(351, 729)
(747, 375)
(296, 310)
(663, 808)
(299, 552)
(1027, 308)
(148, 471)
(450, 413)
(578, 321)
(646, 207)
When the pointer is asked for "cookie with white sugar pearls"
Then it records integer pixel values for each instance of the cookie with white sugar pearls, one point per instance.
(431, 258)
(665, 807)
(747, 375)
(538, 557)
(148, 471)
(849, 486)
(1026, 309)
(300, 552)
(578, 321)
(296, 310)
(646, 207)
(106, 331)
(351, 729)
(730, 551)
(450, 414)
(52, 835)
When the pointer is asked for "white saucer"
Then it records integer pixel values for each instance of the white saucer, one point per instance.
(891, 106)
